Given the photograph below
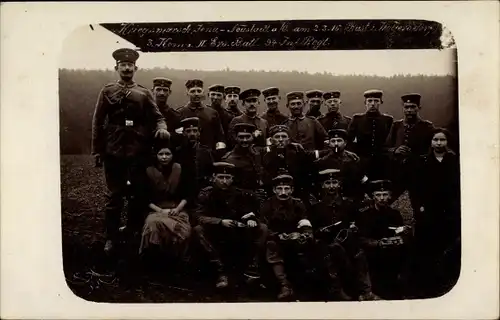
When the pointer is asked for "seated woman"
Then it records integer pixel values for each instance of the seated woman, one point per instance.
(167, 227)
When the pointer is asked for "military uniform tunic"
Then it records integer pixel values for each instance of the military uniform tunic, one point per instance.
(211, 130)
(248, 167)
(172, 118)
(274, 118)
(225, 118)
(307, 131)
(369, 133)
(335, 120)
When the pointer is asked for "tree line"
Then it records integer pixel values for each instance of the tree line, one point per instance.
(79, 88)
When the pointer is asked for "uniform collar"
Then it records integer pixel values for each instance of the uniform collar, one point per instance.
(129, 85)
(194, 107)
(335, 115)
(412, 124)
(298, 118)
(250, 118)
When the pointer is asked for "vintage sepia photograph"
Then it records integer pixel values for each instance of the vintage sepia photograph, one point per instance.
(240, 162)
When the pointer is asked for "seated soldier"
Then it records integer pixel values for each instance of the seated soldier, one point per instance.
(283, 155)
(384, 238)
(347, 162)
(290, 233)
(227, 217)
(335, 233)
(247, 159)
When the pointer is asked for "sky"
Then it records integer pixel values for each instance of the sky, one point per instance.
(91, 49)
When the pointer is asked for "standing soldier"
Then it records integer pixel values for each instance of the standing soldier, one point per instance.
(347, 162)
(290, 233)
(232, 99)
(161, 91)
(227, 218)
(305, 130)
(211, 132)
(408, 139)
(195, 159)
(246, 158)
(216, 96)
(121, 136)
(333, 119)
(369, 131)
(272, 99)
(384, 238)
(250, 99)
(315, 100)
(333, 219)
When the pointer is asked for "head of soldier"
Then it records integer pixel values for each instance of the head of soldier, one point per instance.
(161, 89)
(331, 182)
(232, 96)
(373, 100)
(283, 187)
(271, 98)
(411, 106)
(295, 102)
(250, 100)
(314, 99)
(337, 140)
(163, 152)
(216, 95)
(440, 139)
(280, 137)
(332, 101)
(381, 193)
(194, 90)
(244, 134)
(223, 175)
(191, 129)
(125, 63)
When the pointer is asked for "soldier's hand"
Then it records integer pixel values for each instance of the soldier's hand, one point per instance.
(97, 160)
(402, 150)
(162, 134)
(251, 223)
(422, 209)
(228, 223)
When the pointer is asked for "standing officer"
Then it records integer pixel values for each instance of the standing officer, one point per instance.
(246, 158)
(305, 130)
(408, 140)
(272, 99)
(232, 99)
(227, 218)
(315, 100)
(250, 99)
(211, 132)
(195, 159)
(124, 119)
(347, 162)
(369, 131)
(334, 118)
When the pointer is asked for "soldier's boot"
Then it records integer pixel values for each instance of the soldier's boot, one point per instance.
(252, 272)
(369, 296)
(286, 291)
(335, 290)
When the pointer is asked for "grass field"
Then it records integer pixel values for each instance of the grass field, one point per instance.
(83, 204)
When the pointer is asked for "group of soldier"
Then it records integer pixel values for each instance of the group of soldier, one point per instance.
(308, 191)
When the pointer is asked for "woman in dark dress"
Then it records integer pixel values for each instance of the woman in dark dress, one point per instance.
(437, 222)
(167, 227)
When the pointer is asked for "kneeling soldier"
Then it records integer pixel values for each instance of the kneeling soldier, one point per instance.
(290, 233)
(384, 237)
(336, 235)
(228, 215)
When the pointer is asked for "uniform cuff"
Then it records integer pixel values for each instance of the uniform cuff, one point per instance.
(316, 154)
(248, 216)
(365, 178)
(220, 145)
